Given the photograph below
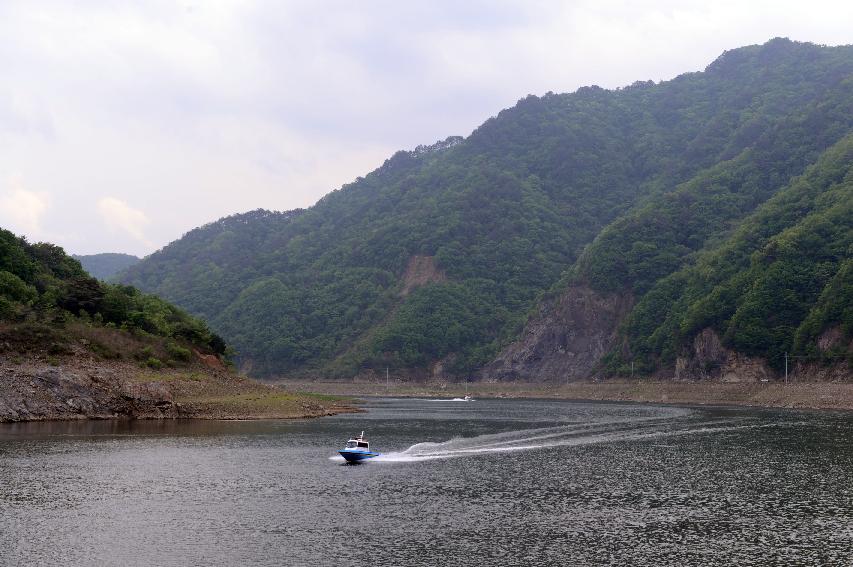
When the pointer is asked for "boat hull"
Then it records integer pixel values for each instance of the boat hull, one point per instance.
(357, 456)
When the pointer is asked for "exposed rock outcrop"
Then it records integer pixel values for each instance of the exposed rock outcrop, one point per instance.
(210, 360)
(38, 391)
(565, 340)
(709, 359)
(830, 338)
(33, 388)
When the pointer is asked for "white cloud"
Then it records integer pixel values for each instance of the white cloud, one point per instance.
(204, 109)
(21, 210)
(119, 216)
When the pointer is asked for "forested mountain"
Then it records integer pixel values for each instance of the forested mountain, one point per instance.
(780, 283)
(784, 277)
(435, 261)
(106, 265)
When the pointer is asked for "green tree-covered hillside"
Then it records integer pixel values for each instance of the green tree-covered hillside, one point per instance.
(43, 288)
(781, 280)
(630, 183)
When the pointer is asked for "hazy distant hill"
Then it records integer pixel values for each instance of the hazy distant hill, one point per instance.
(597, 212)
(106, 265)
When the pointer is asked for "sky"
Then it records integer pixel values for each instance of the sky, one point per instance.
(123, 125)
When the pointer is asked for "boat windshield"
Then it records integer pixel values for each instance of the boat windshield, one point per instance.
(363, 444)
(351, 445)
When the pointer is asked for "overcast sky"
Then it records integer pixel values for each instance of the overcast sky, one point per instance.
(124, 126)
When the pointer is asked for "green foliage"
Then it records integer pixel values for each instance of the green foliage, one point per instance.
(14, 257)
(177, 352)
(104, 350)
(144, 353)
(7, 308)
(636, 181)
(53, 260)
(834, 307)
(40, 282)
(774, 286)
(14, 288)
(81, 293)
(437, 320)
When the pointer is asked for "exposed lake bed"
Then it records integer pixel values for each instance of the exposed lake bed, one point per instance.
(812, 394)
(502, 482)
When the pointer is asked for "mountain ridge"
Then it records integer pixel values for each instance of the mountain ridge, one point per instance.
(607, 187)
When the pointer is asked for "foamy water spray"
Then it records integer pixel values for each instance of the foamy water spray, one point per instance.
(566, 435)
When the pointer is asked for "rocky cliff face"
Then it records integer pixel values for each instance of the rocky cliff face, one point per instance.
(565, 340)
(709, 359)
(568, 337)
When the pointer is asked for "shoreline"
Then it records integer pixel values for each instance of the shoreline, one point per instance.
(795, 395)
(75, 389)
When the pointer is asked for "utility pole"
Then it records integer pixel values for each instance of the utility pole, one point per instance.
(786, 367)
(386, 378)
(632, 369)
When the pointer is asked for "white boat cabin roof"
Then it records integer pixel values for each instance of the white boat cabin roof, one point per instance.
(358, 442)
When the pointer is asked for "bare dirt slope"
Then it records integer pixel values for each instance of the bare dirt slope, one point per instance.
(420, 271)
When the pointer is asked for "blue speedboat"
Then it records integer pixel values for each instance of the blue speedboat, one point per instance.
(357, 450)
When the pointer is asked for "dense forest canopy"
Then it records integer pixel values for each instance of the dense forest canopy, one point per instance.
(782, 278)
(622, 189)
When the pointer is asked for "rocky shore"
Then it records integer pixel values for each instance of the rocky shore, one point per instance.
(71, 387)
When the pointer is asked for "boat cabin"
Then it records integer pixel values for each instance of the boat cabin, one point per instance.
(358, 443)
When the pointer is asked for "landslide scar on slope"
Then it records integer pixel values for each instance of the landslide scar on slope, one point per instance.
(420, 271)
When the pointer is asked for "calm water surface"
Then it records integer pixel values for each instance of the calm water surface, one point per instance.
(490, 482)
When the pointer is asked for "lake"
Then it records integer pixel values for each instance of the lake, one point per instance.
(489, 482)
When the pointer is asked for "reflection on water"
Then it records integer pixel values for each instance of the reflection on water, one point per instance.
(498, 482)
(116, 427)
